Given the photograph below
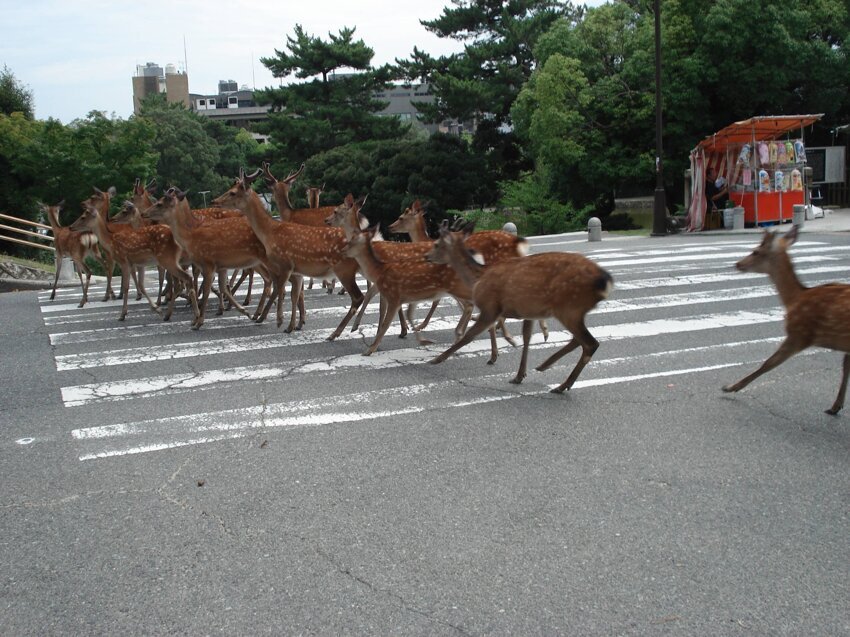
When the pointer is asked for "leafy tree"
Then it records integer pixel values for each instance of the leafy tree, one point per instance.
(593, 88)
(14, 97)
(188, 155)
(441, 171)
(481, 84)
(335, 106)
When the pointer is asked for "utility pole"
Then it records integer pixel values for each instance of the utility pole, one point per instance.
(659, 209)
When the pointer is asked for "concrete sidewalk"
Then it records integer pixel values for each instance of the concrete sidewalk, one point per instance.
(833, 220)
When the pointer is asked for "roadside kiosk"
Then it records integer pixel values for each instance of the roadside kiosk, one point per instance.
(762, 161)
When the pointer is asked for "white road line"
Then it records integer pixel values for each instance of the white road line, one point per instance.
(250, 343)
(79, 395)
(214, 426)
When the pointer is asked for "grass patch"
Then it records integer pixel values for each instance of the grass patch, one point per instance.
(38, 265)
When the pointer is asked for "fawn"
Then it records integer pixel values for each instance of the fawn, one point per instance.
(814, 316)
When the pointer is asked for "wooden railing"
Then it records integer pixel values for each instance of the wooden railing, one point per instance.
(46, 237)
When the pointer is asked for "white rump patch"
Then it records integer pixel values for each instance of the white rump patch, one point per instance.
(477, 257)
(89, 240)
(522, 248)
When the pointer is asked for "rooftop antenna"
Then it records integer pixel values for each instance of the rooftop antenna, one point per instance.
(253, 77)
(185, 57)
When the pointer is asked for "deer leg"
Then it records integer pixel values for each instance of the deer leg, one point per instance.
(139, 281)
(589, 345)
(482, 323)
(296, 295)
(842, 389)
(85, 285)
(108, 266)
(56, 278)
(247, 300)
(428, 316)
(161, 272)
(523, 361)
(544, 328)
(389, 309)
(505, 333)
(346, 274)
(494, 346)
(466, 314)
(140, 286)
(370, 294)
(785, 351)
(125, 287)
(202, 306)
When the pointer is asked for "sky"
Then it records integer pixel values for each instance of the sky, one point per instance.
(80, 55)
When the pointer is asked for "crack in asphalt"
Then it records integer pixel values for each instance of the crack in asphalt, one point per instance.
(343, 570)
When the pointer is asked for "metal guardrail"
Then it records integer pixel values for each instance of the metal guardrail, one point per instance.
(34, 224)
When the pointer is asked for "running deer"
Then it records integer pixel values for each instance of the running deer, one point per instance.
(75, 245)
(313, 251)
(492, 245)
(137, 247)
(559, 284)
(347, 217)
(405, 281)
(814, 316)
(213, 245)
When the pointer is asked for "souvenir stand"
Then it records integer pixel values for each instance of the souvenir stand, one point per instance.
(762, 160)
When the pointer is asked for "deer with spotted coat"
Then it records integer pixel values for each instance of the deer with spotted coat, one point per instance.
(814, 317)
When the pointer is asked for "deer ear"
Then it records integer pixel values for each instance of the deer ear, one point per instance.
(349, 199)
(791, 236)
(469, 228)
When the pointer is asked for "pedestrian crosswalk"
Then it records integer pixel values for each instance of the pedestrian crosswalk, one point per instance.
(681, 301)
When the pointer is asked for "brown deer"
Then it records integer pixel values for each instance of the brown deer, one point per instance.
(347, 217)
(815, 316)
(295, 248)
(492, 245)
(212, 244)
(311, 216)
(137, 247)
(560, 284)
(404, 281)
(75, 245)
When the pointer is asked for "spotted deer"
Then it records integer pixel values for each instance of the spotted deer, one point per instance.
(815, 316)
(135, 247)
(551, 284)
(213, 245)
(313, 251)
(75, 245)
(347, 217)
(492, 245)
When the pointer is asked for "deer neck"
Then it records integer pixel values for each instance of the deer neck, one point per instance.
(467, 268)
(101, 229)
(261, 222)
(785, 279)
(372, 266)
(281, 198)
(419, 231)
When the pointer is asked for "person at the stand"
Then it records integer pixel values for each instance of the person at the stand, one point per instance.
(716, 190)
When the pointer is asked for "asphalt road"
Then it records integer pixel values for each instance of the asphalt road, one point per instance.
(243, 481)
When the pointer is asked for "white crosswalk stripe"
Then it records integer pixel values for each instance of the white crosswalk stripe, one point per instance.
(661, 292)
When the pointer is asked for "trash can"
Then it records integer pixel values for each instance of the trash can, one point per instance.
(738, 218)
(798, 216)
(594, 229)
(728, 217)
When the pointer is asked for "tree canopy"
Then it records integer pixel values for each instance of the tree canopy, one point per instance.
(336, 103)
(14, 97)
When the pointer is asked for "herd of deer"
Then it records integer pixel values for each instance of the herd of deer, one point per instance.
(489, 270)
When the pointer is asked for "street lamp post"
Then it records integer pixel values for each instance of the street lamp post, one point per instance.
(659, 209)
(204, 194)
